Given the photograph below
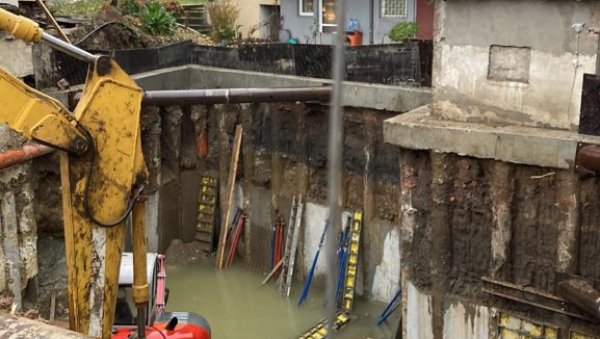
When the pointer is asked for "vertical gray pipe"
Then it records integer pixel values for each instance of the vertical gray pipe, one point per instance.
(336, 136)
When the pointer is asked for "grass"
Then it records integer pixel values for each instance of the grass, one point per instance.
(88, 8)
(79, 8)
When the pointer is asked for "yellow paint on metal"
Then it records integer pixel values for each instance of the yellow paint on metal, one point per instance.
(319, 331)
(110, 110)
(20, 26)
(68, 224)
(36, 115)
(352, 264)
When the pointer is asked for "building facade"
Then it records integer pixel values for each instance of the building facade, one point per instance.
(313, 21)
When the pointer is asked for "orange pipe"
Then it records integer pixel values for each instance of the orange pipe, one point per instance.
(26, 153)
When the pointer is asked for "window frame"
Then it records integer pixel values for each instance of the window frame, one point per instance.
(301, 8)
(392, 16)
(321, 23)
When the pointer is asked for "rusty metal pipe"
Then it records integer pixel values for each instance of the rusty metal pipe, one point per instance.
(588, 158)
(582, 294)
(235, 95)
(19, 156)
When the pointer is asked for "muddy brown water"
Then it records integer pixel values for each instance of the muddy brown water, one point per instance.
(237, 307)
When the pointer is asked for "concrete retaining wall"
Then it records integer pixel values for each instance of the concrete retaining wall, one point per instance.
(18, 228)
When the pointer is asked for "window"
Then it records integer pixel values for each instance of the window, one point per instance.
(306, 7)
(393, 8)
(327, 19)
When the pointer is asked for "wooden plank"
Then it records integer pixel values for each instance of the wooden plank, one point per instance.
(53, 22)
(237, 142)
(272, 272)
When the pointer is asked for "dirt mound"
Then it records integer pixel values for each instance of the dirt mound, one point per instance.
(112, 30)
(180, 253)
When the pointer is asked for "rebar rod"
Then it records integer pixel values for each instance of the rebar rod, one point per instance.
(336, 134)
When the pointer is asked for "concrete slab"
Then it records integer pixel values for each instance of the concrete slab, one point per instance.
(418, 129)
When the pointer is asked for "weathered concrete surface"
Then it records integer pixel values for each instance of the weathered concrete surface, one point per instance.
(13, 327)
(466, 322)
(10, 2)
(386, 280)
(419, 314)
(421, 130)
(18, 249)
(550, 97)
(15, 56)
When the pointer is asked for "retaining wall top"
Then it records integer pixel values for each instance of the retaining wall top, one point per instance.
(420, 130)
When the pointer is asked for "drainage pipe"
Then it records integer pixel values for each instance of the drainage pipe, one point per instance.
(191, 97)
(19, 156)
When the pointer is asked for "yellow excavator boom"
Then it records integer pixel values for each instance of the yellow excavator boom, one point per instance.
(102, 173)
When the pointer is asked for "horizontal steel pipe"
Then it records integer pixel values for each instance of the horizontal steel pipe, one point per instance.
(582, 294)
(588, 158)
(235, 95)
(19, 156)
(67, 48)
(191, 97)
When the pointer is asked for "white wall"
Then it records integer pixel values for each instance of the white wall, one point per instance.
(387, 273)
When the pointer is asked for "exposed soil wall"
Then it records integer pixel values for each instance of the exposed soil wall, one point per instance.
(284, 153)
(466, 218)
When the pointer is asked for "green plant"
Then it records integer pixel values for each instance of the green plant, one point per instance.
(130, 7)
(156, 20)
(223, 15)
(403, 31)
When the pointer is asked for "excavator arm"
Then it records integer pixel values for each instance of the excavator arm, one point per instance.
(102, 174)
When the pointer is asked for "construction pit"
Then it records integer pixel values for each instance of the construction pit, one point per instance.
(282, 156)
(465, 232)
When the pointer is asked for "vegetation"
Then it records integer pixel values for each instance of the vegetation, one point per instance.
(223, 15)
(130, 7)
(89, 8)
(403, 31)
(82, 8)
(156, 20)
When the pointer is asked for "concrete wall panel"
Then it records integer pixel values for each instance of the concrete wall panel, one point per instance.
(387, 273)
(466, 322)
(419, 314)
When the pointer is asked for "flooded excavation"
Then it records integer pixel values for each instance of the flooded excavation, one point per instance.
(236, 306)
